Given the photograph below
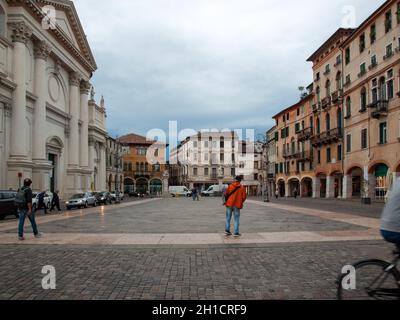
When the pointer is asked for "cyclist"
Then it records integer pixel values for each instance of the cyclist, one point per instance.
(390, 227)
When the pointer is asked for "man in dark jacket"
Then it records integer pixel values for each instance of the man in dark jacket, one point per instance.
(25, 210)
(55, 202)
(41, 203)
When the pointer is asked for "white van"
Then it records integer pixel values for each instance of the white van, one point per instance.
(178, 191)
(214, 191)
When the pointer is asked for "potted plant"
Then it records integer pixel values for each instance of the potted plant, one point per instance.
(365, 198)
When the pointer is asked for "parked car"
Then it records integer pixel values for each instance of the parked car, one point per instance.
(103, 197)
(214, 191)
(133, 194)
(177, 191)
(114, 196)
(47, 200)
(81, 200)
(7, 204)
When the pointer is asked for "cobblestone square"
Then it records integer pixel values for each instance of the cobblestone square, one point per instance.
(175, 249)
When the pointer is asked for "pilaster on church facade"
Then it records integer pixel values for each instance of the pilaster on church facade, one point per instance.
(47, 131)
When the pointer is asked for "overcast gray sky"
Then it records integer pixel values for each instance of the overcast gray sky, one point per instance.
(206, 63)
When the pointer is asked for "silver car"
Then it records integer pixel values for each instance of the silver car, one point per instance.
(81, 200)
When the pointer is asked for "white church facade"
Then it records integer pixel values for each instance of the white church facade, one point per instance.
(51, 129)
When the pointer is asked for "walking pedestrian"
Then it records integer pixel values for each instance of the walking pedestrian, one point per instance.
(41, 202)
(235, 197)
(23, 201)
(295, 193)
(55, 202)
(195, 194)
(277, 194)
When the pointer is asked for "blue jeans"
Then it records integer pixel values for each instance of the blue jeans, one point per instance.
(229, 211)
(392, 237)
(23, 213)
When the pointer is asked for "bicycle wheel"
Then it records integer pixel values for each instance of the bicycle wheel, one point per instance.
(371, 276)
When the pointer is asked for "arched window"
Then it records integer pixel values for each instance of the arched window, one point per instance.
(328, 122)
(328, 88)
(363, 99)
(318, 126)
(311, 122)
(318, 92)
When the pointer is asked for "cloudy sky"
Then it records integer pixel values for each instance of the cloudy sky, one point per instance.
(207, 63)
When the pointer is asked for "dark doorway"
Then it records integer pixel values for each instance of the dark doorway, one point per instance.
(53, 161)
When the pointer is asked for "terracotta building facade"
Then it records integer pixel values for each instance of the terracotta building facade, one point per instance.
(343, 139)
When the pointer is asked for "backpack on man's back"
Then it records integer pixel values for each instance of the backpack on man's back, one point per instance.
(20, 198)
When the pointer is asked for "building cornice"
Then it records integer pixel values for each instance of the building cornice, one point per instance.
(86, 59)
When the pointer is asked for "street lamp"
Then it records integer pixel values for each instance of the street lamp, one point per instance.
(264, 140)
(118, 156)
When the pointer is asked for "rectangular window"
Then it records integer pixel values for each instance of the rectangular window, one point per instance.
(348, 79)
(328, 155)
(362, 43)
(297, 127)
(194, 144)
(389, 51)
(363, 69)
(347, 55)
(276, 136)
(206, 171)
(298, 111)
(276, 168)
(348, 143)
(390, 89)
(388, 21)
(233, 172)
(364, 139)
(281, 167)
(195, 171)
(221, 157)
(373, 34)
(374, 61)
(287, 132)
(338, 60)
(383, 133)
(398, 13)
(319, 156)
(339, 152)
(205, 144)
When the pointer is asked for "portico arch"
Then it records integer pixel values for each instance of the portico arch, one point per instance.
(155, 186)
(355, 175)
(306, 187)
(129, 185)
(142, 185)
(378, 179)
(281, 188)
(294, 187)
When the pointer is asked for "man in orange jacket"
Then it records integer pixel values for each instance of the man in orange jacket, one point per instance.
(235, 196)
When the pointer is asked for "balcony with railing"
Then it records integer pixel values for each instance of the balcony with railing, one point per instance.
(337, 96)
(305, 156)
(327, 137)
(305, 134)
(379, 108)
(326, 102)
(316, 107)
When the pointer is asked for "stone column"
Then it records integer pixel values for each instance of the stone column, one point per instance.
(287, 190)
(42, 51)
(102, 171)
(20, 35)
(330, 187)
(347, 186)
(74, 112)
(316, 187)
(84, 151)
